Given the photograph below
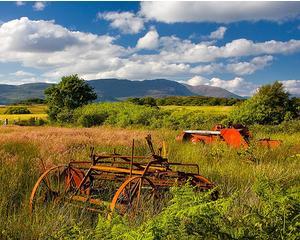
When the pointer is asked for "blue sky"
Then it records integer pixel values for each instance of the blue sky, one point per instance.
(235, 45)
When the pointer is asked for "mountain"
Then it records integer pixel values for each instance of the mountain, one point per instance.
(120, 89)
(117, 89)
(14, 93)
(210, 91)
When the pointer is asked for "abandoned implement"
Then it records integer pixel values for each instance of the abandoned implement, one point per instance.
(121, 183)
(236, 136)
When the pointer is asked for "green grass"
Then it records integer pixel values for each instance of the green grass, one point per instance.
(35, 109)
(215, 110)
(257, 187)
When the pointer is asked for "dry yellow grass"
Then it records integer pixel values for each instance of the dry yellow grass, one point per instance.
(57, 144)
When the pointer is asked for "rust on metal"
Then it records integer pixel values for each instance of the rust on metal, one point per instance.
(236, 136)
(126, 183)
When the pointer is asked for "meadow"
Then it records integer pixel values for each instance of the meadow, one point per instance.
(215, 110)
(259, 187)
(37, 111)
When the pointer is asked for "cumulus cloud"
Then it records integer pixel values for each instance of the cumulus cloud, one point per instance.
(237, 85)
(292, 86)
(197, 80)
(39, 6)
(218, 34)
(57, 51)
(149, 41)
(46, 44)
(21, 73)
(20, 3)
(126, 22)
(244, 68)
(207, 69)
(221, 12)
(177, 50)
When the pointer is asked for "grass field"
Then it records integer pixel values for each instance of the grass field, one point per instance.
(205, 109)
(37, 111)
(237, 173)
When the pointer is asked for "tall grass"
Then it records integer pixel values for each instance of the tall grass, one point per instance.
(257, 186)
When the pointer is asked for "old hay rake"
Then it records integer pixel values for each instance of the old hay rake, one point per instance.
(125, 184)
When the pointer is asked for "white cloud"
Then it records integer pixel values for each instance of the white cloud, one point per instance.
(46, 44)
(218, 34)
(126, 22)
(244, 68)
(175, 50)
(197, 80)
(221, 12)
(137, 70)
(58, 51)
(292, 86)
(149, 41)
(39, 6)
(237, 85)
(207, 69)
(22, 74)
(20, 3)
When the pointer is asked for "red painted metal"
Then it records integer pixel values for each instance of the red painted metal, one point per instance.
(236, 135)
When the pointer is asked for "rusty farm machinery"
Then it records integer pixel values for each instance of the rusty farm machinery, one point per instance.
(125, 184)
(236, 135)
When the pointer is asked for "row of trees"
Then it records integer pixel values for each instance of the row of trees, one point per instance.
(270, 105)
(186, 101)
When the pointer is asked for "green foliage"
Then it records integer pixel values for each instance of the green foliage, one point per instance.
(117, 114)
(197, 101)
(192, 215)
(17, 110)
(124, 114)
(148, 101)
(71, 93)
(31, 101)
(31, 122)
(270, 105)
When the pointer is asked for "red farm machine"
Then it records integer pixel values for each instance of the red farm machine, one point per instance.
(236, 135)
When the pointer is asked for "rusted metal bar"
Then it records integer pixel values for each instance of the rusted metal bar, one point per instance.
(132, 155)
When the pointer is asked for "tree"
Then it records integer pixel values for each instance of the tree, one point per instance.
(72, 92)
(270, 105)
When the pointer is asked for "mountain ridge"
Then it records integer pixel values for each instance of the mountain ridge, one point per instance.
(117, 89)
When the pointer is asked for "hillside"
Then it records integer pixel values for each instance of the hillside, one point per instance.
(210, 91)
(117, 89)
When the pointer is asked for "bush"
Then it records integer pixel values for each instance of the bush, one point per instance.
(17, 110)
(270, 105)
(191, 215)
(31, 122)
(125, 114)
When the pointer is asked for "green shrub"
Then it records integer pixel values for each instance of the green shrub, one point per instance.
(270, 105)
(192, 215)
(31, 122)
(125, 114)
(17, 110)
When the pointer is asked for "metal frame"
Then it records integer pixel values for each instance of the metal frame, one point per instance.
(128, 173)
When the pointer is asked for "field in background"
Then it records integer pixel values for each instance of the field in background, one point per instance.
(38, 111)
(214, 110)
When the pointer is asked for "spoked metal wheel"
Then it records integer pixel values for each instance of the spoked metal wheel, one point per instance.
(54, 185)
(135, 196)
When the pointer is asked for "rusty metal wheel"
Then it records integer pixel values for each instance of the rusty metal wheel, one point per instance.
(136, 195)
(49, 187)
(55, 184)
